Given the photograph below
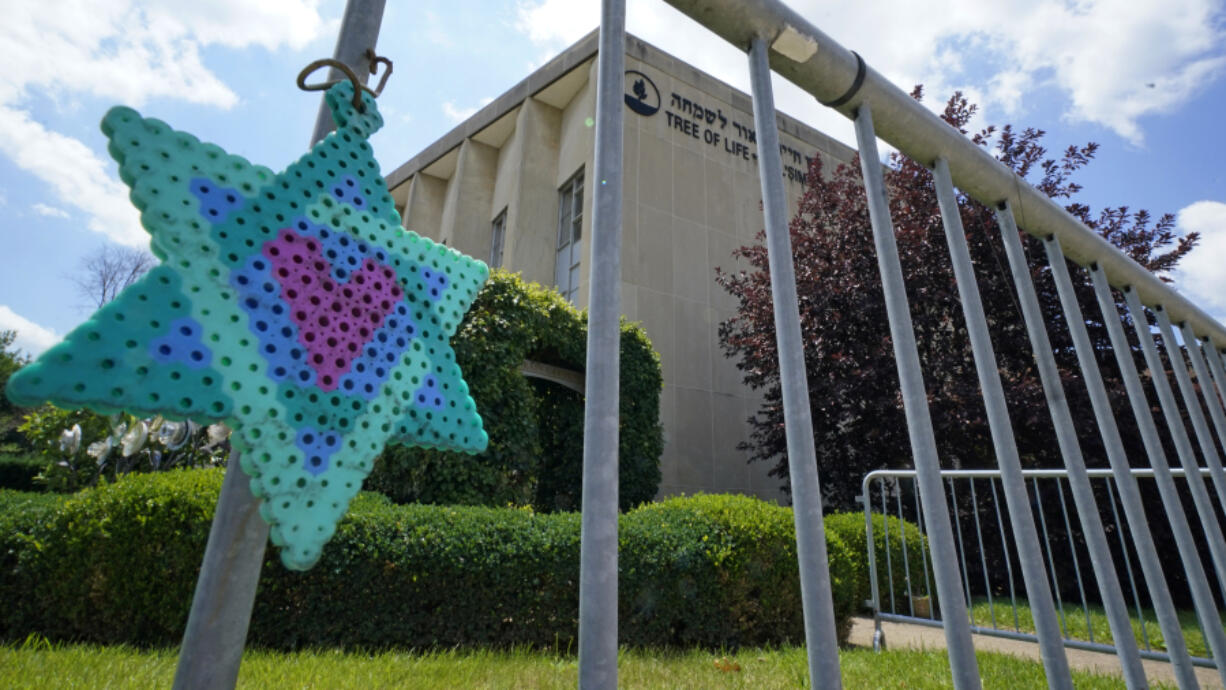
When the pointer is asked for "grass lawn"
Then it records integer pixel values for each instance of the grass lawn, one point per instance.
(1077, 629)
(41, 665)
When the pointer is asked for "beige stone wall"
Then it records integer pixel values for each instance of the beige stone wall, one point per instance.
(691, 196)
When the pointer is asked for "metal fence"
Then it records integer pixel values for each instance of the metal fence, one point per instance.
(777, 38)
(901, 581)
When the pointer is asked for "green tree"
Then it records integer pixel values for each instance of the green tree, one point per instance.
(11, 359)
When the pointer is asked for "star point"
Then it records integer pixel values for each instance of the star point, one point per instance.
(292, 306)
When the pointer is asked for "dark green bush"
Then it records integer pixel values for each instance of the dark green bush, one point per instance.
(535, 427)
(850, 526)
(118, 564)
(17, 472)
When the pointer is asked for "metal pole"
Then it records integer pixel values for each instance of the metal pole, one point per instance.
(966, 578)
(1199, 425)
(216, 631)
(902, 540)
(820, 634)
(919, 525)
(225, 591)
(1130, 494)
(1132, 582)
(1179, 433)
(1203, 377)
(889, 562)
(871, 546)
(1070, 450)
(983, 558)
(1081, 590)
(964, 666)
(1215, 365)
(1004, 547)
(1051, 561)
(1030, 556)
(598, 548)
(359, 33)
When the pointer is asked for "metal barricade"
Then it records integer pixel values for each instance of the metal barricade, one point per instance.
(900, 593)
(776, 38)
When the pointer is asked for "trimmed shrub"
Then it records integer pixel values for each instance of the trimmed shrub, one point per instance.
(119, 563)
(535, 427)
(850, 527)
(734, 550)
(17, 472)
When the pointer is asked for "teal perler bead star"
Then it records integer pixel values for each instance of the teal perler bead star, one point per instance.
(290, 306)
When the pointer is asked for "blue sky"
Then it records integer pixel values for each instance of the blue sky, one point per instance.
(1146, 79)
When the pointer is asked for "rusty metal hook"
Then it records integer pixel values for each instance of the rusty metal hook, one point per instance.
(358, 86)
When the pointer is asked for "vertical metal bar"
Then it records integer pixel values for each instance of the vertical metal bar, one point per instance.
(1081, 589)
(1183, 445)
(1215, 365)
(1050, 643)
(359, 32)
(225, 592)
(1130, 494)
(1004, 545)
(1051, 561)
(217, 624)
(966, 578)
(871, 547)
(983, 559)
(1070, 450)
(820, 635)
(1132, 582)
(962, 660)
(906, 561)
(919, 525)
(598, 540)
(1203, 377)
(889, 561)
(1190, 401)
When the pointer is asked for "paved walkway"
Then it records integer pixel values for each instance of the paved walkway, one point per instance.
(901, 636)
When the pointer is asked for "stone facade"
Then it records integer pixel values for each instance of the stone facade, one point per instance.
(691, 196)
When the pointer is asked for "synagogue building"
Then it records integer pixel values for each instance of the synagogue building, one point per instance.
(511, 186)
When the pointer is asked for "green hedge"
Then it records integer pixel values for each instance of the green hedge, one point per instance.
(118, 564)
(850, 527)
(535, 428)
(17, 472)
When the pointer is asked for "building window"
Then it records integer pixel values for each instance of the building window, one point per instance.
(570, 224)
(498, 236)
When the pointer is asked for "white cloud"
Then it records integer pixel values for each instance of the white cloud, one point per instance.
(31, 337)
(78, 176)
(49, 211)
(126, 51)
(1200, 275)
(1114, 62)
(457, 114)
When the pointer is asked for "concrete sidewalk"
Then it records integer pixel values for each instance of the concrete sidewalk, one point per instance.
(903, 636)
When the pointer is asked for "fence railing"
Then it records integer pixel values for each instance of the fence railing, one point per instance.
(777, 38)
(901, 583)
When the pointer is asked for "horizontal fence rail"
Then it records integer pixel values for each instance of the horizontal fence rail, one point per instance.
(901, 586)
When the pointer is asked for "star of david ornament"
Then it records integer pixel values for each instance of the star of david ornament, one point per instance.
(290, 306)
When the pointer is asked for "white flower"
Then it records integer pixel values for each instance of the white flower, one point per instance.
(134, 440)
(100, 450)
(218, 432)
(70, 440)
(173, 434)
